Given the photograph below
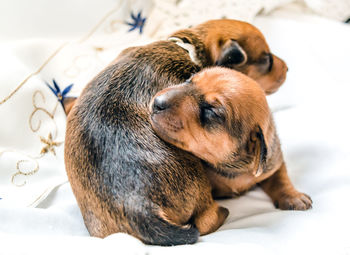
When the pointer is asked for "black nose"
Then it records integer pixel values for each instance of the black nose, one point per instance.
(160, 103)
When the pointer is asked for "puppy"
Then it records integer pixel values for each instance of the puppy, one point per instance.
(222, 117)
(124, 177)
(229, 43)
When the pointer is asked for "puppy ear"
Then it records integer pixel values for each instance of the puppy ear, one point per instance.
(68, 103)
(231, 54)
(257, 147)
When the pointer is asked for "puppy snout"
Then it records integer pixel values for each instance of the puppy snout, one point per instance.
(167, 100)
(160, 103)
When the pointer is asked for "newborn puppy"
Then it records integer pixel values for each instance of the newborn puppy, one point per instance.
(124, 177)
(229, 43)
(222, 117)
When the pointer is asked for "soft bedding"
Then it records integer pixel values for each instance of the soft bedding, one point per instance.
(38, 212)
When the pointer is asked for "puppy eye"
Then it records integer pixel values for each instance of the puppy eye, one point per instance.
(270, 62)
(209, 114)
(266, 63)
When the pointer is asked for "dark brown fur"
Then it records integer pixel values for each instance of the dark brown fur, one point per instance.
(125, 178)
(214, 42)
(222, 117)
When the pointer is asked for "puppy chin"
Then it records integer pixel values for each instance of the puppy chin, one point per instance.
(164, 130)
(271, 91)
(270, 87)
(156, 122)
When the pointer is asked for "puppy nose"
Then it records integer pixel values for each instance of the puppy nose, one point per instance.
(160, 103)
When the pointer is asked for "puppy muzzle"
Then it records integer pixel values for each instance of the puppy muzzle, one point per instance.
(166, 100)
(160, 103)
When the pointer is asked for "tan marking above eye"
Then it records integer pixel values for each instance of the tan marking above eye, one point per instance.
(212, 99)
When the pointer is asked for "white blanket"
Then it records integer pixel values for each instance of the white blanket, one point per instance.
(311, 114)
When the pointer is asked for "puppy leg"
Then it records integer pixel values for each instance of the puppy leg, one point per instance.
(211, 218)
(282, 192)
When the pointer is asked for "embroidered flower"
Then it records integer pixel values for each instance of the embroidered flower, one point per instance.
(57, 91)
(49, 145)
(137, 22)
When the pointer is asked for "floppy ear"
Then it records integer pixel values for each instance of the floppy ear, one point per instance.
(257, 147)
(231, 54)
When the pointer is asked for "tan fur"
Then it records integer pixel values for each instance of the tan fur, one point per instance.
(216, 36)
(116, 102)
(245, 107)
(254, 44)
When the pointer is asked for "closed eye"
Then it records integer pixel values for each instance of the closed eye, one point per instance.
(266, 63)
(210, 115)
(271, 61)
(207, 114)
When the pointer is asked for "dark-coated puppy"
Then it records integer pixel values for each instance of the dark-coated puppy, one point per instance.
(229, 43)
(124, 177)
(222, 117)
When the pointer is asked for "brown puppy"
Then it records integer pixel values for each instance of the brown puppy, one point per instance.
(240, 46)
(125, 178)
(229, 43)
(222, 117)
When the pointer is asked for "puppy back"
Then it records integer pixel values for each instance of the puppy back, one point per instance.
(114, 159)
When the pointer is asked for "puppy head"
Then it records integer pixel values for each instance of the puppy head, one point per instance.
(220, 116)
(241, 46)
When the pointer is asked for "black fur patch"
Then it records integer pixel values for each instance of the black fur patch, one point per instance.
(231, 56)
(263, 147)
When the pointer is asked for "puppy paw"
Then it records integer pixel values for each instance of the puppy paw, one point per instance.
(297, 201)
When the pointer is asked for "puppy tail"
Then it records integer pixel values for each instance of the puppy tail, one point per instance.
(157, 231)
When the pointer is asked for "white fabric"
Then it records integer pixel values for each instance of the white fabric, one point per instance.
(178, 14)
(311, 114)
(29, 111)
(329, 8)
(185, 13)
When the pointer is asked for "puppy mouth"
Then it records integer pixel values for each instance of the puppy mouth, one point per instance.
(163, 130)
(163, 121)
(276, 86)
(271, 91)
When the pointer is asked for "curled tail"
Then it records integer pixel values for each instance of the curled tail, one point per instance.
(157, 231)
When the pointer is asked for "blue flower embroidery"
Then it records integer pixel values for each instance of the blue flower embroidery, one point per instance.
(137, 22)
(57, 91)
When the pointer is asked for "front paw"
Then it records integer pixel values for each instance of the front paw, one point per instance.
(296, 201)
